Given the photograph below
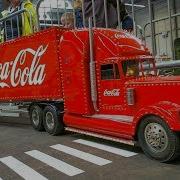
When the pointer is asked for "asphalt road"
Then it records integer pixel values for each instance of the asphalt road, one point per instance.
(34, 156)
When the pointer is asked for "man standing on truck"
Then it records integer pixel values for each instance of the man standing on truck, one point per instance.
(127, 21)
(100, 13)
(20, 25)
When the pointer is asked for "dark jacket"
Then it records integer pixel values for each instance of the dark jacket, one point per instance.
(123, 11)
(100, 13)
(79, 18)
(127, 23)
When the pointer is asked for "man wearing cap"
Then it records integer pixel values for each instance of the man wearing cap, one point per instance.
(20, 25)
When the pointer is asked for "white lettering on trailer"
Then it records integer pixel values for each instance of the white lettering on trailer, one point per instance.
(33, 75)
(114, 92)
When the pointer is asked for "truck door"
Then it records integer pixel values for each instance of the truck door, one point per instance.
(111, 91)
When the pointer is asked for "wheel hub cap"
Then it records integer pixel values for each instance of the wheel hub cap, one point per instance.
(35, 117)
(156, 137)
(50, 120)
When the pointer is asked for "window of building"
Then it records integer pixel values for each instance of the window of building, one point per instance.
(109, 71)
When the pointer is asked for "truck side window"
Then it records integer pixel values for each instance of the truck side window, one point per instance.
(109, 71)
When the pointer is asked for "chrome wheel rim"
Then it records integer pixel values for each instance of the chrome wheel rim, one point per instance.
(50, 120)
(156, 137)
(35, 117)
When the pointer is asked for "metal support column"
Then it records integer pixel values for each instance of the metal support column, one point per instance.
(133, 17)
(94, 15)
(105, 12)
(171, 30)
(83, 13)
(92, 67)
(119, 14)
(175, 18)
(152, 28)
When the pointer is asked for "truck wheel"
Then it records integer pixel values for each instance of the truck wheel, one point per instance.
(157, 140)
(52, 122)
(36, 117)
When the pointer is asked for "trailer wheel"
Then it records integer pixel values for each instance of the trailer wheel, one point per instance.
(157, 140)
(36, 117)
(52, 122)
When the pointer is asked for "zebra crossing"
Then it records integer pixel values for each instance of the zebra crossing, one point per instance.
(28, 173)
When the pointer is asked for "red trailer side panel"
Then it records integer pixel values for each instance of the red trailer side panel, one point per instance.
(29, 67)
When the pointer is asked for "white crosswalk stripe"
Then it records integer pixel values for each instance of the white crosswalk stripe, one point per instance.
(21, 169)
(82, 155)
(55, 163)
(1, 179)
(107, 148)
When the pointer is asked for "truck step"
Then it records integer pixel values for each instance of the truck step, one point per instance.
(14, 110)
(8, 107)
(106, 137)
(6, 114)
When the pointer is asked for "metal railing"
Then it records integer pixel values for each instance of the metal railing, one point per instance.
(156, 46)
(68, 13)
(153, 23)
(50, 12)
(11, 25)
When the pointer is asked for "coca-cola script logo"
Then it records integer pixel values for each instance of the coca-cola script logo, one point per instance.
(18, 74)
(114, 92)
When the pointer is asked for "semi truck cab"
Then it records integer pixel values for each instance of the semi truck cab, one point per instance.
(118, 94)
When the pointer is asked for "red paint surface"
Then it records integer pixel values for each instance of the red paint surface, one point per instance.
(51, 86)
(67, 76)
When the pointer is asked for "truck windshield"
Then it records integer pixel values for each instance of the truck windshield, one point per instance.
(139, 68)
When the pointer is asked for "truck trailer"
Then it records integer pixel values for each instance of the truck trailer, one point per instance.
(99, 82)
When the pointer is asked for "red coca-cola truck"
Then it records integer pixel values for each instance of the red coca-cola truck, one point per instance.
(99, 82)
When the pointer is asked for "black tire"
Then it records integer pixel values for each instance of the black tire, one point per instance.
(36, 117)
(157, 140)
(53, 123)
